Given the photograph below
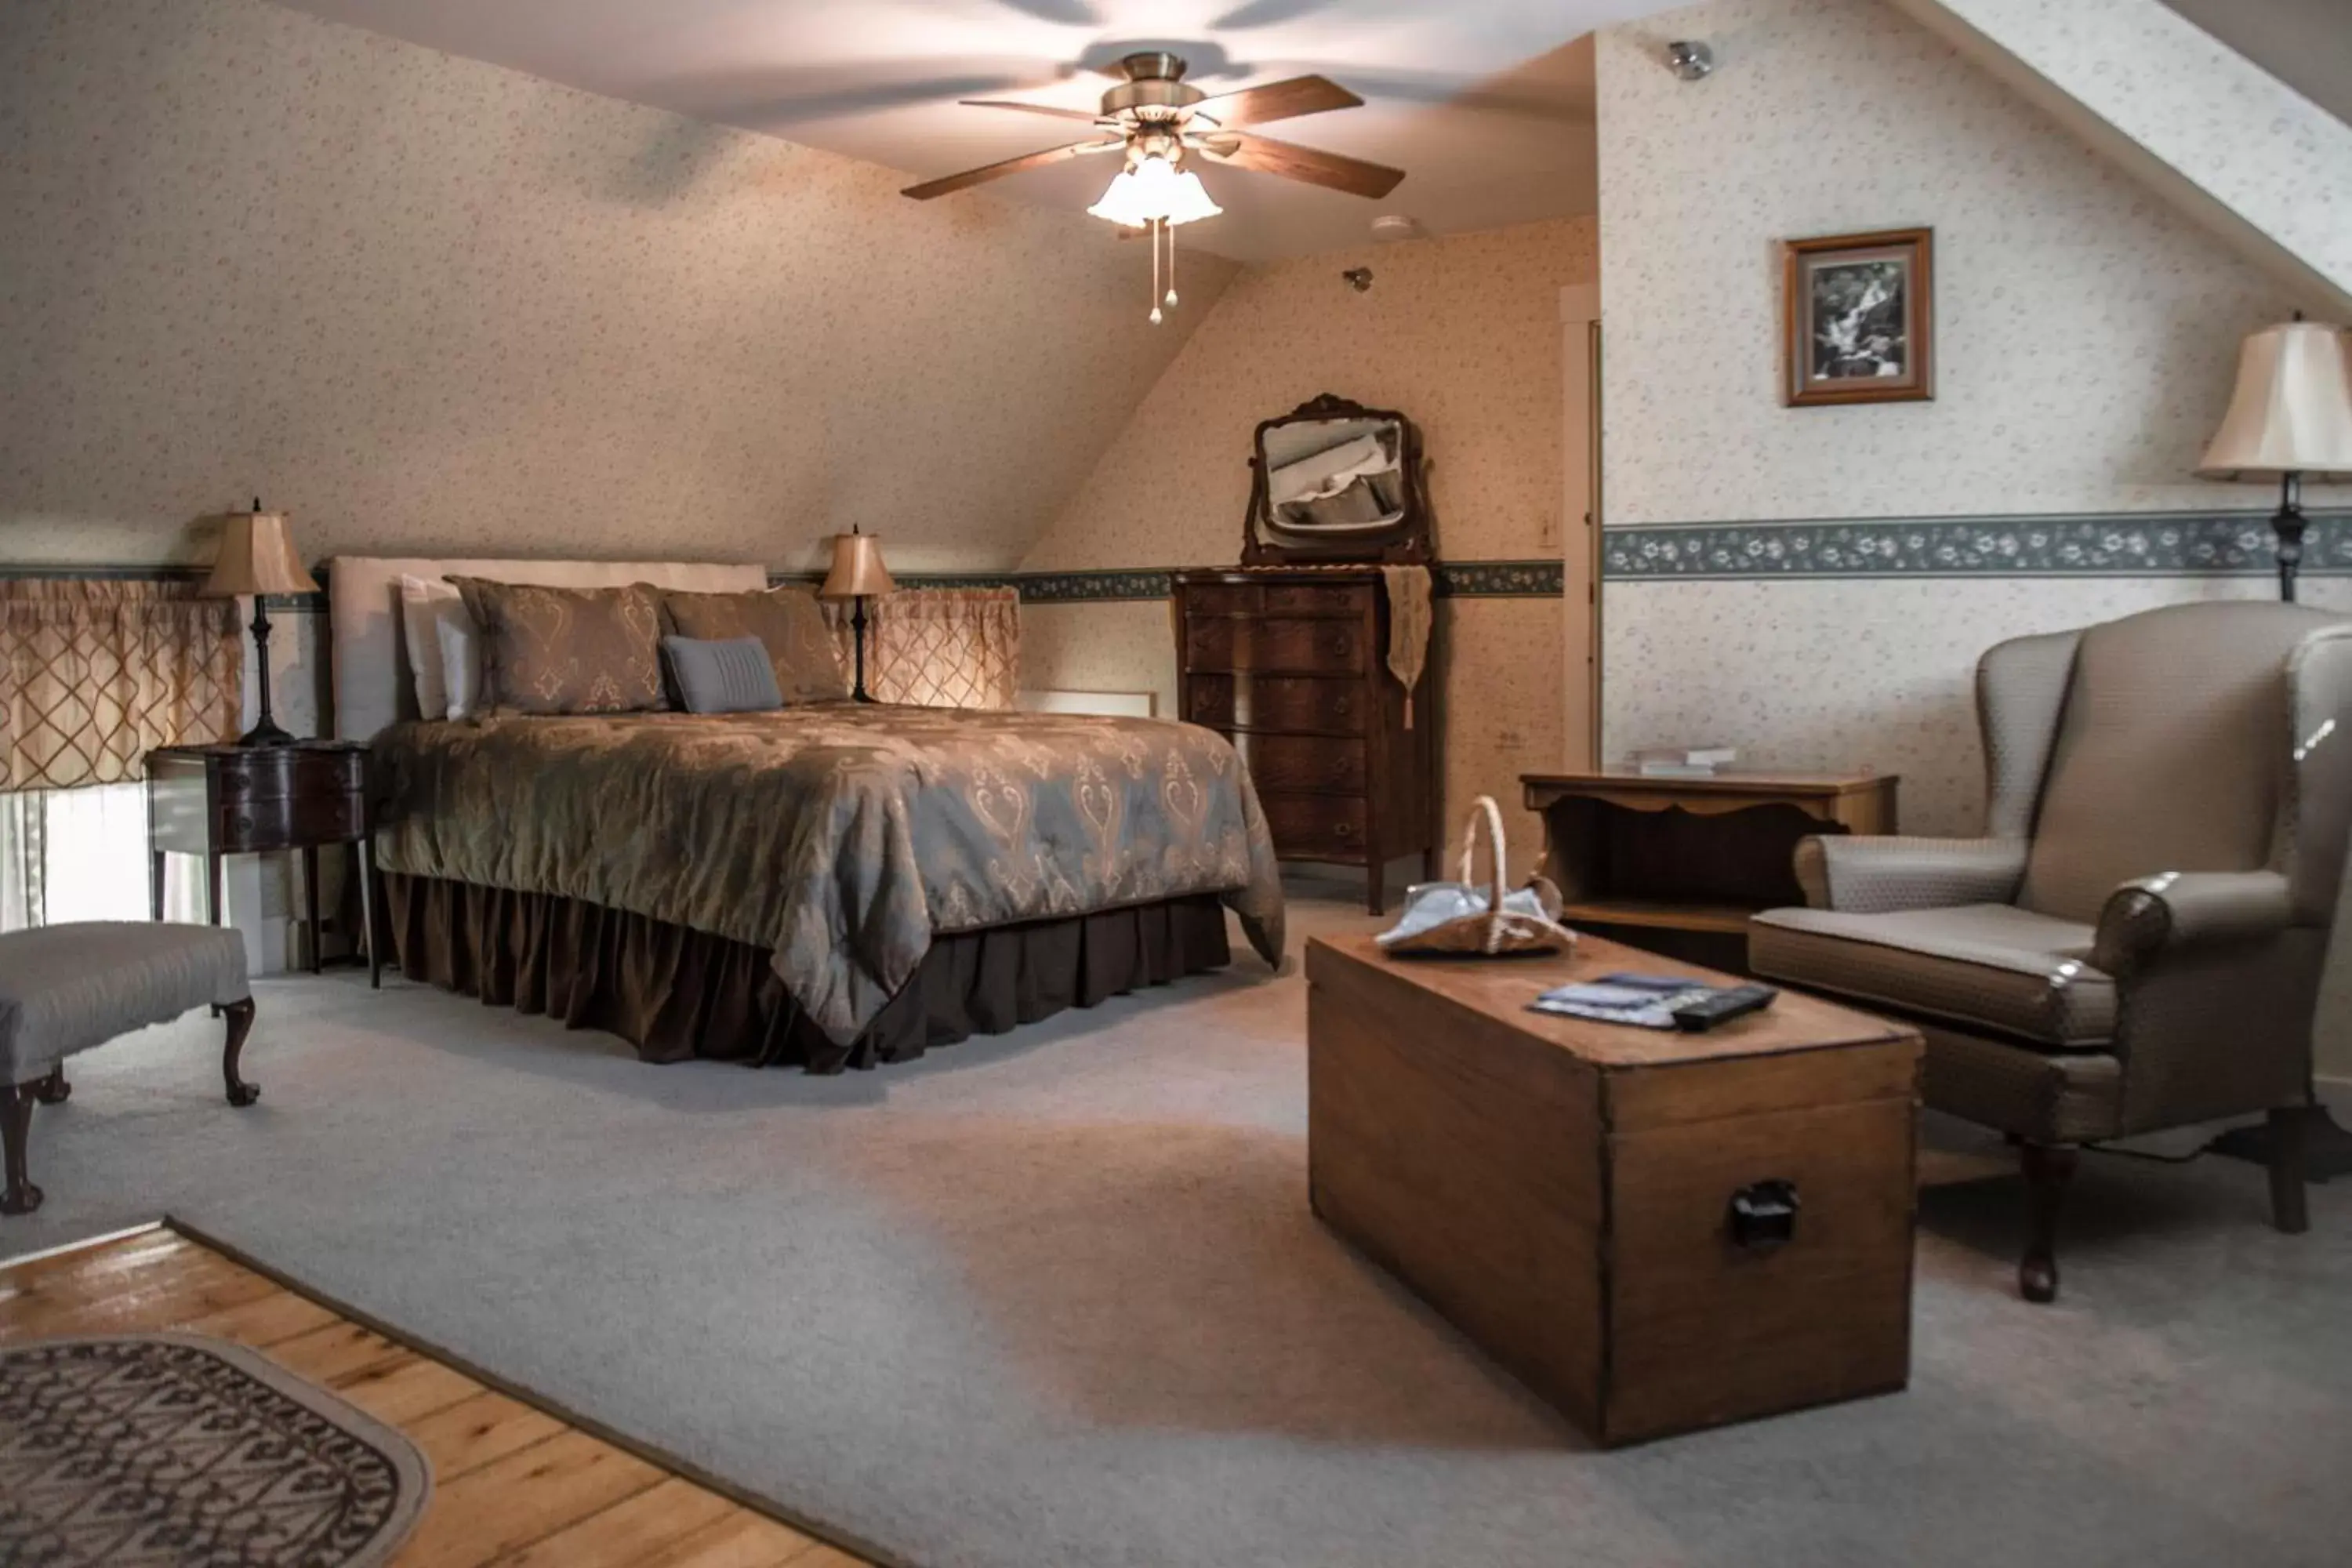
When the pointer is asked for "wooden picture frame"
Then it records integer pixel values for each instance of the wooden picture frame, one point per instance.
(1859, 322)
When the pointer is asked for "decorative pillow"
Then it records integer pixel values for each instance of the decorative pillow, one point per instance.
(425, 606)
(788, 622)
(732, 676)
(461, 666)
(567, 650)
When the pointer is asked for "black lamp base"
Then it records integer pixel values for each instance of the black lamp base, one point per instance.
(2288, 523)
(266, 733)
(266, 730)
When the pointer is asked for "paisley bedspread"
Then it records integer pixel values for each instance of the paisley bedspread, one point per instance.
(839, 836)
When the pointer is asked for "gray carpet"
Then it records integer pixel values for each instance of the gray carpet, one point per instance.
(1056, 1298)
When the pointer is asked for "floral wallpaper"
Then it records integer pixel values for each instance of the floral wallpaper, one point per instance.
(429, 305)
(1461, 333)
(2276, 163)
(2087, 332)
(2087, 338)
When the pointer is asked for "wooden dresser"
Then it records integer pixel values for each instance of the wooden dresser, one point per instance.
(1290, 664)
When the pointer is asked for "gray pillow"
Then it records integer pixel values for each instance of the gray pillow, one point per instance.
(729, 676)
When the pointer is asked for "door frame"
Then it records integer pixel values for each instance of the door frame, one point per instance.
(1580, 498)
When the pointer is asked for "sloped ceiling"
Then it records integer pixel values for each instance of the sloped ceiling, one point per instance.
(428, 305)
(2306, 44)
(1488, 106)
(2200, 123)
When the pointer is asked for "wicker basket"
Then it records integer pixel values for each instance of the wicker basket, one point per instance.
(1460, 917)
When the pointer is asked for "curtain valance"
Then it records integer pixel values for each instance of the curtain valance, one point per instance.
(94, 673)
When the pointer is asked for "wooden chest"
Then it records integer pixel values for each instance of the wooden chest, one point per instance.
(1607, 1210)
(1291, 665)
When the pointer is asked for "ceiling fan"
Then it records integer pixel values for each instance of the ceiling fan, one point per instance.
(1156, 118)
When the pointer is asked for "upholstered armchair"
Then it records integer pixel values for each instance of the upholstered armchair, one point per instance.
(2136, 942)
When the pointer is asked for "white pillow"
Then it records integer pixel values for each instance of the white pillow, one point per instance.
(461, 662)
(428, 608)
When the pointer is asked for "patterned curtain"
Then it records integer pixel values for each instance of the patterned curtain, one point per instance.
(93, 674)
(939, 647)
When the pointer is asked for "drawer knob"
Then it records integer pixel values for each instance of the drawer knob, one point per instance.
(1764, 1216)
(1344, 829)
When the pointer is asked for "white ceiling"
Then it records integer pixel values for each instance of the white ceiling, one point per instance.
(1487, 104)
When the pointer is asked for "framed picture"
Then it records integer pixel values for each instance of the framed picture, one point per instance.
(1861, 318)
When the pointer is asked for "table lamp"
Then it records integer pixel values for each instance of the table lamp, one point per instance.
(256, 557)
(857, 574)
(2291, 415)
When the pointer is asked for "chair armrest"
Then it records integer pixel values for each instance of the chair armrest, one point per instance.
(1882, 873)
(2143, 920)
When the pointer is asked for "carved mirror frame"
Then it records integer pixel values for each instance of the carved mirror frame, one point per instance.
(1409, 542)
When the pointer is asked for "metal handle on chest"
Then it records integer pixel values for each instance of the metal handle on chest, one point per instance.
(1764, 1216)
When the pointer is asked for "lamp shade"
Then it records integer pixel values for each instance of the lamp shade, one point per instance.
(258, 556)
(2292, 413)
(857, 570)
(1155, 190)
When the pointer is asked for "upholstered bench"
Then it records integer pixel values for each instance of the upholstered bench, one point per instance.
(66, 988)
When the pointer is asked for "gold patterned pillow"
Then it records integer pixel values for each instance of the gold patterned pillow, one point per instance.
(788, 622)
(567, 650)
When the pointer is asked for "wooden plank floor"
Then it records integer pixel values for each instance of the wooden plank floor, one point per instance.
(511, 1484)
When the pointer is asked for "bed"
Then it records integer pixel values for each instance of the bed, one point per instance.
(834, 885)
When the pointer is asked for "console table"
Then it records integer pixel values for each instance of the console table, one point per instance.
(1679, 864)
(213, 801)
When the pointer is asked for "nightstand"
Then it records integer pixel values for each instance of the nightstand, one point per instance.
(233, 800)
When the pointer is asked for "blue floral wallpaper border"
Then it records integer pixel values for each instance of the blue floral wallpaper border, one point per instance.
(2131, 544)
(2123, 545)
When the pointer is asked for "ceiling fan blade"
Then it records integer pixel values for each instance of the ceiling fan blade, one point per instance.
(949, 184)
(1292, 162)
(1054, 109)
(1277, 100)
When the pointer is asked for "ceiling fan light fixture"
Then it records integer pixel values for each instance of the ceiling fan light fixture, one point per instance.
(1155, 191)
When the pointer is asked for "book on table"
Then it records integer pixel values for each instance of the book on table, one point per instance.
(1684, 761)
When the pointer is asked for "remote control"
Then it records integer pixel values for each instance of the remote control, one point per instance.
(1708, 1011)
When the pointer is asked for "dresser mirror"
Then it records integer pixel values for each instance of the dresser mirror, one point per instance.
(1334, 482)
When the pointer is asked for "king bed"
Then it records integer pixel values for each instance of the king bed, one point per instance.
(829, 883)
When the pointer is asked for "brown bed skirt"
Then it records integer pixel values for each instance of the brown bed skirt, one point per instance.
(677, 993)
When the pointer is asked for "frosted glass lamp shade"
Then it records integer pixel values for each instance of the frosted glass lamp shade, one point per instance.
(857, 569)
(2292, 412)
(1155, 190)
(257, 555)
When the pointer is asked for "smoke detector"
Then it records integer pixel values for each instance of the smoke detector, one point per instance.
(1690, 59)
(1394, 228)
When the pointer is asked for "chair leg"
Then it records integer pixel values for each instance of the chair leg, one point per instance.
(54, 1089)
(20, 1196)
(2049, 1167)
(2289, 1127)
(240, 1024)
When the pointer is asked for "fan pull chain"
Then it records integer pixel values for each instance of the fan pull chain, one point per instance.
(1158, 228)
(1171, 266)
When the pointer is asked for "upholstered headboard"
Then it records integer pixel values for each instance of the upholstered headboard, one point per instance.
(372, 689)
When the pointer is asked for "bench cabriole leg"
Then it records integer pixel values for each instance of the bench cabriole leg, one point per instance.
(240, 1024)
(20, 1196)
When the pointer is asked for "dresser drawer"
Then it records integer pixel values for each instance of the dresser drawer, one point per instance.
(283, 773)
(1334, 647)
(1318, 598)
(279, 822)
(1309, 763)
(1325, 827)
(1292, 703)
(1224, 599)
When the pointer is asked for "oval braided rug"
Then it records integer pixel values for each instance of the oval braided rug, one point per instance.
(155, 1450)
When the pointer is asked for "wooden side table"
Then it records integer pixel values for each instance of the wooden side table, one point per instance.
(232, 800)
(1679, 864)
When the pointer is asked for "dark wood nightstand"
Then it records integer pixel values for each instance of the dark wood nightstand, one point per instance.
(232, 800)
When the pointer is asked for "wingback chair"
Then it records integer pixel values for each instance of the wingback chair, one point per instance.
(2136, 942)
